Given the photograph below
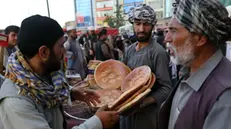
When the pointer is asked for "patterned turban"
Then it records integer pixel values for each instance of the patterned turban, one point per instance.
(142, 12)
(206, 17)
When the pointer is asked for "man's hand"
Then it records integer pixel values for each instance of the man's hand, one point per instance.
(87, 96)
(107, 118)
(91, 52)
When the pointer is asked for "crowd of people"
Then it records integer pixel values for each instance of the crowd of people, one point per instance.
(192, 74)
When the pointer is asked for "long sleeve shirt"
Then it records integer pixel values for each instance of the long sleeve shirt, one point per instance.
(18, 113)
(157, 59)
(220, 115)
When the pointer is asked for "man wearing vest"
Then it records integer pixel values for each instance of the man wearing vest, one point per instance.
(102, 49)
(32, 95)
(201, 100)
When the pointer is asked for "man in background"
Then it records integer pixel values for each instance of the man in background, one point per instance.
(146, 51)
(12, 33)
(76, 63)
(103, 51)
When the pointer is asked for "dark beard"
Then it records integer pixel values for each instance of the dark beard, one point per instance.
(53, 64)
(146, 38)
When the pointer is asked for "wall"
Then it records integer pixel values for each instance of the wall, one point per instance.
(104, 8)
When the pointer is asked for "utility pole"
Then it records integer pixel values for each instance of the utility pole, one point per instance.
(75, 12)
(92, 14)
(48, 9)
(117, 12)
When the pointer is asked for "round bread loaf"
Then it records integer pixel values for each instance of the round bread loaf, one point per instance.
(110, 74)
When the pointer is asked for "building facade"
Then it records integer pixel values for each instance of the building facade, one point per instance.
(158, 6)
(84, 10)
(103, 8)
(169, 8)
(127, 4)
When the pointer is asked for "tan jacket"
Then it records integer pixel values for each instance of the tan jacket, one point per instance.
(20, 112)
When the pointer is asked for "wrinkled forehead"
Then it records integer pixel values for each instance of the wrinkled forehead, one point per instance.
(174, 23)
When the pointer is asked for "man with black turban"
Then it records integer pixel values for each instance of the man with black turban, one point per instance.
(34, 91)
(201, 100)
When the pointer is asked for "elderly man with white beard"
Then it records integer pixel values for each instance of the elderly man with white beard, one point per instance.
(201, 99)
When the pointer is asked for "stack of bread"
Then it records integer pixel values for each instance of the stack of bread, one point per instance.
(92, 65)
(121, 87)
(109, 76)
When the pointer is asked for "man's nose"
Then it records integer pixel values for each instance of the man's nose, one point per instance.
(141, 28)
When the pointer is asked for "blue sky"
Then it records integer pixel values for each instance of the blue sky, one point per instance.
(12, 12)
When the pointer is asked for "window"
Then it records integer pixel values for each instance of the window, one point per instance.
(104, 4)
(132, 1)
(156, 4)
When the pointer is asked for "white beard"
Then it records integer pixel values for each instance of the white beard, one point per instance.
(184, 55)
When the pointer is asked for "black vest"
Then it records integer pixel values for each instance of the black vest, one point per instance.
(98, 51)
(200, 103)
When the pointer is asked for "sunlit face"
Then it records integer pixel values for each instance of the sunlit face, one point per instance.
(181, 43)
(12, 39)
(143, 30)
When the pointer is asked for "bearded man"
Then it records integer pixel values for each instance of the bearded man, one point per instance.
(32, 95)
(146, 52)
(76, 62)
(201, 100)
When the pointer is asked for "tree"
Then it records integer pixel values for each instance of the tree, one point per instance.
(117, 20)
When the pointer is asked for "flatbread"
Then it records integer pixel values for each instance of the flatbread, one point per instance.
(134, 101)
(153, 80)
(108, 96)
(138, 77)
(124, 96)
(93, 64)
(149, 85)
(110, 74)
(91, 80)
(141, 90)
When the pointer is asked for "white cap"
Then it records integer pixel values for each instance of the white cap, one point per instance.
(71, 28)
(229, 10)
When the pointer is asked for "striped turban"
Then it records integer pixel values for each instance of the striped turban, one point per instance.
(206, 17)
(142, 12)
